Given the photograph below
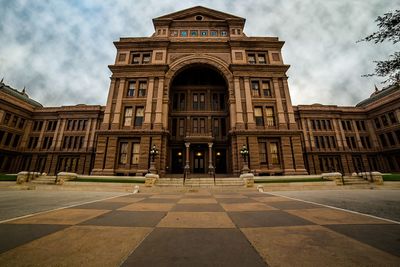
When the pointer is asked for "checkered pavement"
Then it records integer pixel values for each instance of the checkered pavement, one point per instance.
(202, 228)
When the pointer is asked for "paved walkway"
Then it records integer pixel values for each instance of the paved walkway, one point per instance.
(203, 228)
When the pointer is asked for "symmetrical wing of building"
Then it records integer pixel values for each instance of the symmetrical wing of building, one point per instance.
(199, 89)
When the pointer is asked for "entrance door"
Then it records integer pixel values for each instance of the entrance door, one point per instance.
(198, 164)
(220, 161)
(177, 161)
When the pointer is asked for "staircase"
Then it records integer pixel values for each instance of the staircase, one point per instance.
(200, 182)
(44, 180)
(354, 180)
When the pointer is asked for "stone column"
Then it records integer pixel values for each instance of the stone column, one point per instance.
(56, 133)
(158, 118)
(93, 130)
(149, 100)
(41, 134)
(118, 105)
(187, 166)
(107, 112)
(238, 101)
(337, 134)
(88, 126)
(249, 103)
(279, 106)
(232, 112)
(61, 133)
(310, 131)
(210, 165)
(292, 121)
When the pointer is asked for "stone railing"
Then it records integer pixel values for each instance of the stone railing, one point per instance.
(25, 176)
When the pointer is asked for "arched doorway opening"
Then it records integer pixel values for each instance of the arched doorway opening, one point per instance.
(199, 121)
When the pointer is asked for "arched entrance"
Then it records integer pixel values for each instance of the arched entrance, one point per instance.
(198, 121)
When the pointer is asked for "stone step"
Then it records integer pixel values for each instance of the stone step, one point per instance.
(200, 182)
(44, 180)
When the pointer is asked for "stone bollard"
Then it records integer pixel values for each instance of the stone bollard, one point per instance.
(333, 176)
(248, 179)
(151, 179)
(62, 177)
(377, 178)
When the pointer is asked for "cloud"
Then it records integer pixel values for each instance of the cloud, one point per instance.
(60, 50)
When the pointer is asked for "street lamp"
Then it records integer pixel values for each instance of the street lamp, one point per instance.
(153, 154)
(245, 153)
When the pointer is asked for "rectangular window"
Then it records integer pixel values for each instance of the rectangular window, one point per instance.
(255, 88)
(274, 152)
(142, 89)
(174, 127)
(266, 88)
(184, 34)
(333, 141)
(21, 123)
(195, 101)
(8, 139)
(261, 59)
(391, 138)
(135, 153)
(14, 121)
(392, 117)
(194, 33)
(377, 123)
(16, 140)
(269, 112)
(384, 120)
(202, 101)
(202, 125)
(316, 141)
(263, 152)
(213, 33)
(216, 128)
(131, 88)
(215, 104)
(182, 101)
(146, 58)
(128, 116)
(123, 153)
(7, 118)
(139, 116)
(135, 59)
(251, 58)
(258, 116)
(181, 127)
(195, 126)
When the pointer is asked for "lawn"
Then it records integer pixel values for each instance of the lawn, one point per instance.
(105, 180)
(391, 177)
(290, 180)
(8, 177)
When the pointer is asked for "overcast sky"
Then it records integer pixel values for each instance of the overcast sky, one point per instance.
(60, 50)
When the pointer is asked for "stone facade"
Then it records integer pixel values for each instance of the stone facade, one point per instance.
(199, 89)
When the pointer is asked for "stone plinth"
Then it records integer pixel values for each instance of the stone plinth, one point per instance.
(151, 179)
(333, 176)
(65, 176)
(23, 177)
(248, 179)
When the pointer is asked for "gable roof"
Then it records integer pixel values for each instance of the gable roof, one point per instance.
(198, 10)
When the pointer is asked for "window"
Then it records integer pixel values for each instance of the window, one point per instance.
(274, 152)
(181, 127)
(183, 33)
(224, 33)
(195, 126)
(392, 117)
(51, 126)
(216, 127)
(194, 33)
(263, 152)
(16, 140)
(258, 115)
(139, 116)
(384, 120)
(135, 153)
(33, 141)
(255, 88)
(195, 101)
(146, 58)
(7, 118)
(8, 139)
(131, 88)
(377, 123)
(182, 101)
(174, 33)
(14, 121)
(316, 141)
(333, 141)
(123, 153)
(142, 89)
(47, 142)
(251, 58)
(135, 59)
(21, 123)
(346, 125)
(351, 142)
(213, 33)
(261, 59)
(257, 58)
(269, 112)
(202, 101)
(128, 116)
(202, 125)
(37, 126)
(203, 33)
(266, 89)
(391, 138)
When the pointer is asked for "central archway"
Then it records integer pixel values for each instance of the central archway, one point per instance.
(199, 120)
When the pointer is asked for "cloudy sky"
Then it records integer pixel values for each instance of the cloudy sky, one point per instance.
(60, 50)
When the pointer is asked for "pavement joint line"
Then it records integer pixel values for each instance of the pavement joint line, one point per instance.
(332, 207)
(61, 208)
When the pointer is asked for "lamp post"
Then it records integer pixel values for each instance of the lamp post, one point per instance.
(153, 154)
(245, 153)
